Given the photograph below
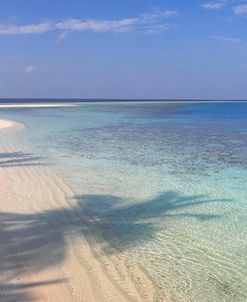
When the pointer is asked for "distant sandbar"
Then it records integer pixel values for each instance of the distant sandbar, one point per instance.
(35, 105)
(5, 124)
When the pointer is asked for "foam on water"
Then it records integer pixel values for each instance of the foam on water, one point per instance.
(164, 183)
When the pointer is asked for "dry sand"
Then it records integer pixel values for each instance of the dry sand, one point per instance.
(40, 105)
(46, 251)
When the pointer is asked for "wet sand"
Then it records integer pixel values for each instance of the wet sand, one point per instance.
(45, 250)
(5, 124)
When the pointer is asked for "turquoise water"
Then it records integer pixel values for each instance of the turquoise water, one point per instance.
(164, 182)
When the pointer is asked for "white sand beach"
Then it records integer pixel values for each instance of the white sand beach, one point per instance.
(45, 254)
(41, 105)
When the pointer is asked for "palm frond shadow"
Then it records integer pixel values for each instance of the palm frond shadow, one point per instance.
(39, 241)
(19, 159)
(120, 226)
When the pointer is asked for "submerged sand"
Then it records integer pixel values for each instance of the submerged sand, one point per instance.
(46, 253)
(6, 124)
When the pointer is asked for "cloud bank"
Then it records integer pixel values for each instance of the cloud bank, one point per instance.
(149, 22)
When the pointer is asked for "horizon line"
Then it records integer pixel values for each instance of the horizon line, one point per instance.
(122, 99)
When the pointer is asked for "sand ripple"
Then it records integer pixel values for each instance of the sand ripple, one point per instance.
(46, 252)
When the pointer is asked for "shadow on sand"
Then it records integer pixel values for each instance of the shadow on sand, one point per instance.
(19, 159)
(38, 241)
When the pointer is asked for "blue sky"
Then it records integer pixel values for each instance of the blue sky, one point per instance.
(123, 49)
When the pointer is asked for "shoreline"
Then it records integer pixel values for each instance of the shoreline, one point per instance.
(7, 124)
(45, 254)
(41, 105)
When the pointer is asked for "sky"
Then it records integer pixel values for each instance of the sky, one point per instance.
(123, 49)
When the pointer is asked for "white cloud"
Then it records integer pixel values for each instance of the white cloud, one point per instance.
(224, 39)
(240, 9)
(143, 22)
(213, 5)
(96, 25)
(157, 14)
(157, 28)
(62, 37)
(26, 29)
(29, 69)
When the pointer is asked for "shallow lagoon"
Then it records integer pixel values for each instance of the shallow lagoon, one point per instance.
(165, 183)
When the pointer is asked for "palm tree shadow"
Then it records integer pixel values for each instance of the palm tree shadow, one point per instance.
(39, 241)
(120, 226)
(10, 292)
(19, 159)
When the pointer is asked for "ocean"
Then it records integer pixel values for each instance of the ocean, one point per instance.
(162, 182)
